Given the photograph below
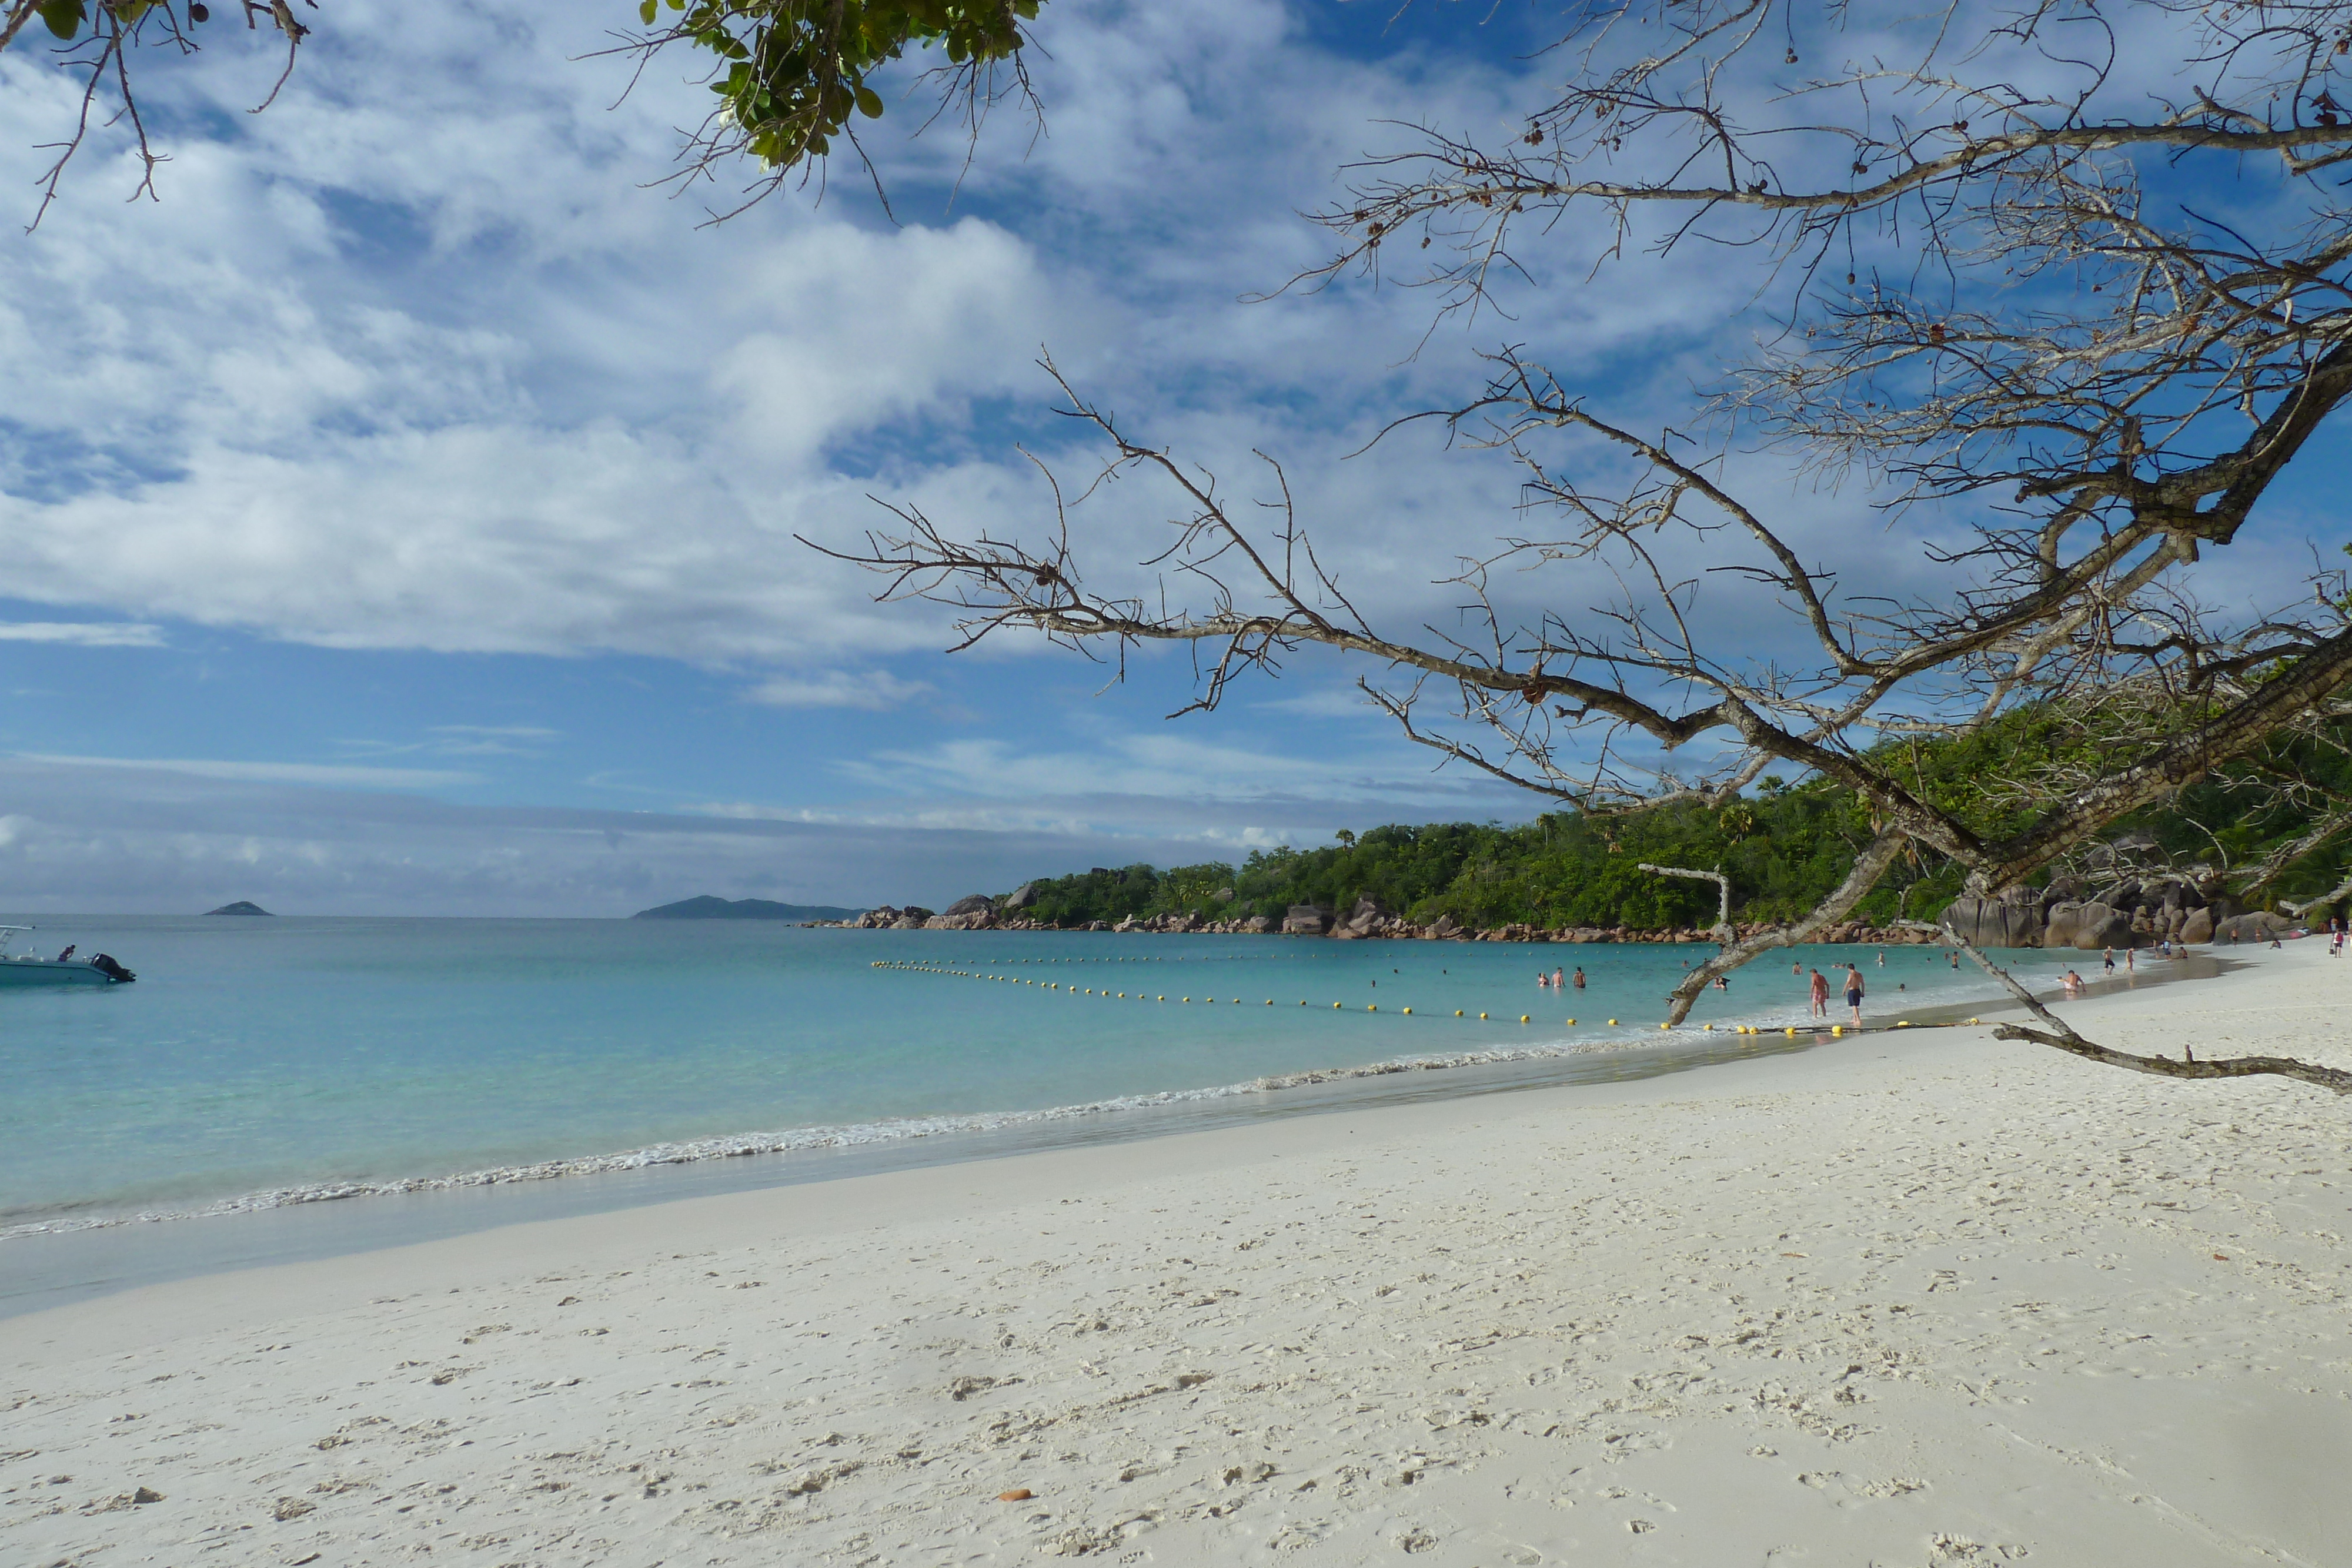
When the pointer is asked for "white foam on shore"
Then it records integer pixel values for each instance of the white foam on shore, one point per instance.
(908, 1128)
(853, 1136)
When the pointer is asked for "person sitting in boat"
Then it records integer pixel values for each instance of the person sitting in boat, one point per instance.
(69, 952)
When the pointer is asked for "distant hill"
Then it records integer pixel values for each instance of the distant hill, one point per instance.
(239, 908)
(710, 908)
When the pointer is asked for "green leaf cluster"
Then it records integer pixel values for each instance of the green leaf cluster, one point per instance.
(793, 72)
(66, 18)
(63, 17)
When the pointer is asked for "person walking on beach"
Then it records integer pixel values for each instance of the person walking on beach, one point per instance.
(1853, 993)
(1821, 994)
(2108, 957)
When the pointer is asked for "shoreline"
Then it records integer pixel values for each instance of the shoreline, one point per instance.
(1702, 1042)
(1150, 1112)
(53, 1263)
(1917, 1296)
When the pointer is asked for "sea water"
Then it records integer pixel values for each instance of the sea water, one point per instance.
(257, 1060)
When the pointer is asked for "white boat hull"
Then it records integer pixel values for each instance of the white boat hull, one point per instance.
(49, 972)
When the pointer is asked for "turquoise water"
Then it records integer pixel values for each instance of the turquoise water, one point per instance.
(255, 1056)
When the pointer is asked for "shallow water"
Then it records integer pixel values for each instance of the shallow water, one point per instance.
(263, 1056)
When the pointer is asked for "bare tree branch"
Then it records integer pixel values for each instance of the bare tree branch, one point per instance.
(1723, 931)
(2061, 1035)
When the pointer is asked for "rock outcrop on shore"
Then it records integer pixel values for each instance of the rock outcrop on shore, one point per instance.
(1366, 921)
(2069, 913)
(2073, 911)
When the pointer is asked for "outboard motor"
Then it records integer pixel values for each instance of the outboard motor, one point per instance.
(105, 965)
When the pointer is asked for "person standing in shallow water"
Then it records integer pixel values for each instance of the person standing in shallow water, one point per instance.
(1821, 994)
(1579, 981)
(1853, 993)
(1555, 979)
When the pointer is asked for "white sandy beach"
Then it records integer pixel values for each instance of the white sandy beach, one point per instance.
(1907, 1300)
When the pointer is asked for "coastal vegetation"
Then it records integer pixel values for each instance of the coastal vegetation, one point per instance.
(2264, 832)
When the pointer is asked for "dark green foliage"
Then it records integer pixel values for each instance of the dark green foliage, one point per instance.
(1784, 848)
(796, 71)
(1099, 894)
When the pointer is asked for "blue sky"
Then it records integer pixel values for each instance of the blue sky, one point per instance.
(398, 516)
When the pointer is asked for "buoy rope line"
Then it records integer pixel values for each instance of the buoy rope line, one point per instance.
(1792, 1030)
(1134, 958)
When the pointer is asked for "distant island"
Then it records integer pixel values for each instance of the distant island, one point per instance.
(239, 908)
(710, 908)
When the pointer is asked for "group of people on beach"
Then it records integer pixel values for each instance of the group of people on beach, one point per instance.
(1553, 982)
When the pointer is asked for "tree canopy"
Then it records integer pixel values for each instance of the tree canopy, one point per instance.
(2280, 837)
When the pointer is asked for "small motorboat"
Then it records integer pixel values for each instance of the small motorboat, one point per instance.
(31, 969)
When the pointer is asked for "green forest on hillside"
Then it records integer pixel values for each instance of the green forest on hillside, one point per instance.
(1784, 846)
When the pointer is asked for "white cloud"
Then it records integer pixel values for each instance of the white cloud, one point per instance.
(271, 772)
(84, 633)
(871, 689)
(98, 837)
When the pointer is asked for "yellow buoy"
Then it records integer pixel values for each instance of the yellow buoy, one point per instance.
(1334, 1005)
(1836, 1031)
(1371, 1007)
(1792, 1032)
(1457, 1012)
(1665, 1026)
(1903, 1023)
(1269, 1001)
(1188, 999)
(1706, 1029)
(1523, 1017)
(1571, 1020)
(1408, 1012)
(1482, 1015)
(1612, 1023)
